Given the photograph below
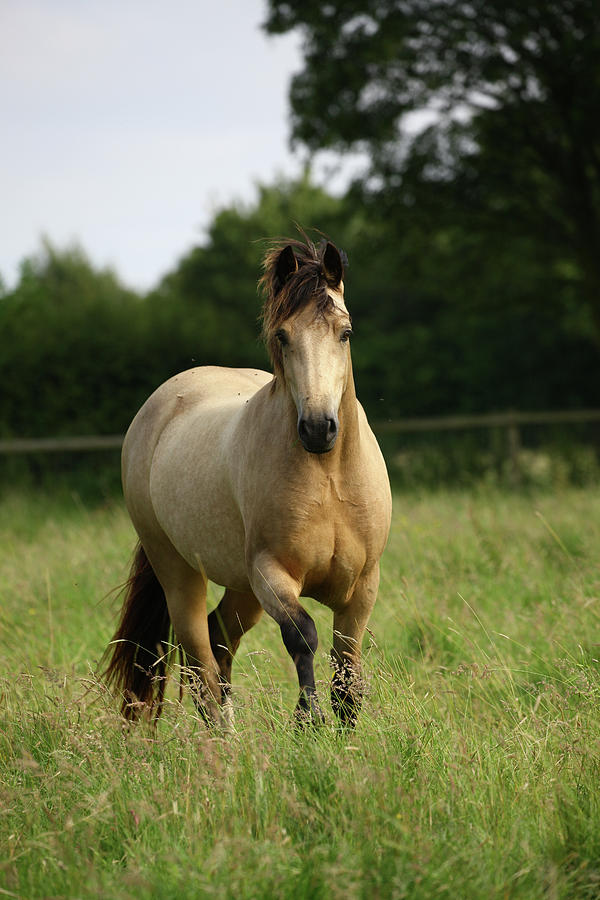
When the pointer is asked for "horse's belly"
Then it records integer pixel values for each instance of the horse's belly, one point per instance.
(211, 541)
(195, 507)
(217, 552)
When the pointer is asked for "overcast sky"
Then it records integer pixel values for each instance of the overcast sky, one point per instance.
(126, 123)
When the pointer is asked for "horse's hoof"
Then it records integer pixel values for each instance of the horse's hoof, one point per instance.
(308, 713)
(345, 708)
(226, 715)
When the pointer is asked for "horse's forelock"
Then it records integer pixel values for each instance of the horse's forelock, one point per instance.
(308, 282)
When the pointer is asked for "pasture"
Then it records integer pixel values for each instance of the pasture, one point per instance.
(473, 771)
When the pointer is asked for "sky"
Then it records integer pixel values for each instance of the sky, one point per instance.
(127, 123)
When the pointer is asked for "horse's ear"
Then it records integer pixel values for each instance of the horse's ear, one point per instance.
(285, 266)
(333, 265)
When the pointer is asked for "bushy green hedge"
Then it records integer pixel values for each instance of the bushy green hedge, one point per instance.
(435, 332)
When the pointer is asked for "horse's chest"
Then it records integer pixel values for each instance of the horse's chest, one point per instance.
(328, 544)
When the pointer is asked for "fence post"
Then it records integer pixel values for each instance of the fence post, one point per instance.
(514, 449)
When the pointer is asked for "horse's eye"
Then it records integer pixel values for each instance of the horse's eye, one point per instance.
(282, 337)
(345, 335)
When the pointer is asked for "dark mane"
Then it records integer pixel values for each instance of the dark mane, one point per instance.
(282, 299)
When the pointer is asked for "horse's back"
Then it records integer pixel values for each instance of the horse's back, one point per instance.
(190, 391)
(213, 383)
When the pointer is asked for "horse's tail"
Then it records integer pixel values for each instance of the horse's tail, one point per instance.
(139, 649)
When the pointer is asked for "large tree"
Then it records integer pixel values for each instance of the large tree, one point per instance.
(513, 93)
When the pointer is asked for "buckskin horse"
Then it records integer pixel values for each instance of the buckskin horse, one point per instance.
(271, 485)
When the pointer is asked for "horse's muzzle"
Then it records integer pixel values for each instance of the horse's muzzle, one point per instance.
(318, 433)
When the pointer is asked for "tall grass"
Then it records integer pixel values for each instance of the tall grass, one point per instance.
(473, 771)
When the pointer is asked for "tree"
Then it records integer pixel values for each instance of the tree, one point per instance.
(72, 360)
(210, 298)
(512, 90)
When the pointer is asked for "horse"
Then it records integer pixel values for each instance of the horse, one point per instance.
(270, 485)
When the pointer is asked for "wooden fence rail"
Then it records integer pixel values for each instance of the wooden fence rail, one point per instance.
(510, 420)
(488, 420)
(62, 444)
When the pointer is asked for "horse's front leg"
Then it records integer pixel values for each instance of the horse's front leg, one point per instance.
(349, 624)
(278, 594)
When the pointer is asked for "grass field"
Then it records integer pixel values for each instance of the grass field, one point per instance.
(473, 772)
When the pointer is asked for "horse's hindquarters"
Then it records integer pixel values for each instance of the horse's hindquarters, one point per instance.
(176, 469)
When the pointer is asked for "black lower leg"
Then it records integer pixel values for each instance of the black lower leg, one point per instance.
(346, 690)
(300, 639)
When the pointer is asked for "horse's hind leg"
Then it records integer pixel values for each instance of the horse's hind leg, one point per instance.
(233, 617)
(185, 592)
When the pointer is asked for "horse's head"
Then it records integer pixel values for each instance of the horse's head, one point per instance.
(307, 329)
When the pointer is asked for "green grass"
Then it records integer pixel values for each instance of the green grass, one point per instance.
(473, 772)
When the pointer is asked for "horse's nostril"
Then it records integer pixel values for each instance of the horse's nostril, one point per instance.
(331, 428)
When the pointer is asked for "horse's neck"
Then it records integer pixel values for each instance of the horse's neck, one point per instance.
(349, 436)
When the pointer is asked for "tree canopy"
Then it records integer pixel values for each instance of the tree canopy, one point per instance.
(512, 91)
